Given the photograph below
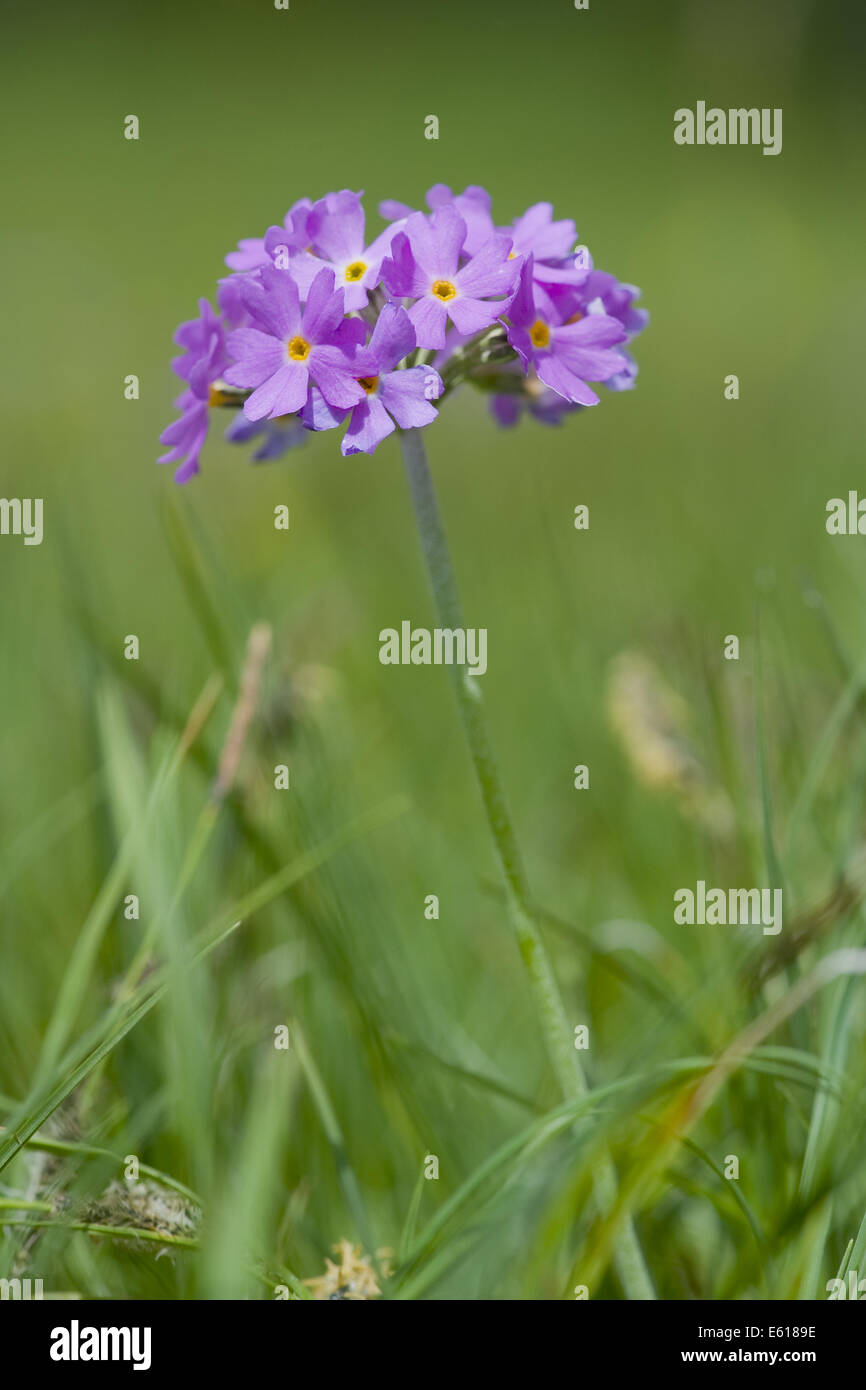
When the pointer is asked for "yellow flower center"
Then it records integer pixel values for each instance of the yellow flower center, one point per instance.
(575, 318)
(369, 383)
(355, 272)
(539, 334)
(299, 349)
(443, 289)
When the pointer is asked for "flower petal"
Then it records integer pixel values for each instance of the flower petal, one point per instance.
(323, 312)
(593, 364)
(335, 227)
(473, 205)
(407, 395)
(490, 271)
(273, 302)
(437, 240)
(332, 373)
(318, 415)
(284, 393)
(393, 337)
(522, 344)
(257, 356)
(506, 410)
(566, 272)
(393, 211)
(429, 317)
(351, 335)
(186, 436)
(522, 310)
(378, 249)
(595, 330)
(536, 231)
(471, 315)
(250, 253)
(401, 273)
(369, 425)
(584, 346)
(303, 268)
(555, 374)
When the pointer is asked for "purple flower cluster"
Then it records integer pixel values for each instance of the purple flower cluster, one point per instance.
(318, 327)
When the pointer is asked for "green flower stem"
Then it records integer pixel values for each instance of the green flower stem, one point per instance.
(552, 1018)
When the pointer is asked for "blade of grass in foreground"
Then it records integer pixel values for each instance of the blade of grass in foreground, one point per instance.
(771, 857)
(121, 1018)
(838, 1023)
(858, 1250)
(334, 1134)
(300, 867)
(25, 1128)
(69, 1148)
(503, 1164)
(499, 1166)
(245, 1215)
(695, 1099)
(111, 1232)
(76, 980)
(845, 706)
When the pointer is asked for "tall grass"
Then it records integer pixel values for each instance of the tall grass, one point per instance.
(262, 910)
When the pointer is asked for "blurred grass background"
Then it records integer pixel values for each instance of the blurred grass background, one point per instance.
(707, 518)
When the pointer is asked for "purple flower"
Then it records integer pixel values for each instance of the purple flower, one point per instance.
(232, 307)
(335, 232)
(536, 399)
(391, 397)
(294, 316)
(423, 266)
(602, 293)
(614, 298)
(202, 362)
(252, 252)
(186, 436)
(203, 346)
(287, 348)
(473, 205)
(536, 234)
(565, 353)
(549, 243)
(277, 436)
(627, 378)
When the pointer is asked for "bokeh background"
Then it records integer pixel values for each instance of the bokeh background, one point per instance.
(707, 518)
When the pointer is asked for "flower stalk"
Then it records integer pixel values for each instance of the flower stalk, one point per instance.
(547, 1000)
